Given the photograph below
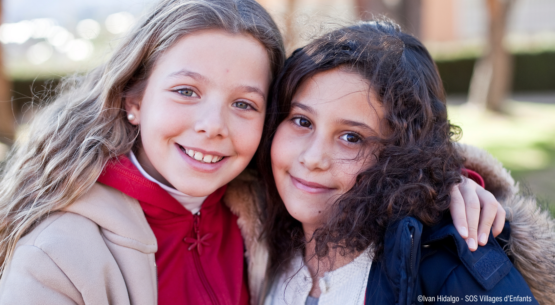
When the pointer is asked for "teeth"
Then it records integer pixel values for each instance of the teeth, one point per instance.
(198, 156)
(202, 157)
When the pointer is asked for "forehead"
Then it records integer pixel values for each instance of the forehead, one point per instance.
(216, 52)
(340, 95)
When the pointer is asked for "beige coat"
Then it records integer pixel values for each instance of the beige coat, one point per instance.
(101, 249)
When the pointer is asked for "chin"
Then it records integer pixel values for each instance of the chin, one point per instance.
(301, 214)
(196, 187)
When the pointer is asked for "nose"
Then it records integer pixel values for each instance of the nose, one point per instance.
(315, 155)
(212, 122)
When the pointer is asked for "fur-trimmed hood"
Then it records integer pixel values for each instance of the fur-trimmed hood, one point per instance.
(531, 245)
(532, 241)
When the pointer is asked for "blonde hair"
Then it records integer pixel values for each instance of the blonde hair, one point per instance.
(71, 140)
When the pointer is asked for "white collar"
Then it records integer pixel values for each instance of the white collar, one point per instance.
(191, 203)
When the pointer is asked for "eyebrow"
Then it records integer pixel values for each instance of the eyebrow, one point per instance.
(191, 74)
(251, 89)
(303, 107)
(340, 121)
(201, 78)
(355, 124)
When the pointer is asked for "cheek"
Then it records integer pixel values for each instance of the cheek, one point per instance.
(246, 135)
(346, 176)
(282, 153)
(163, 121)
(347, 171)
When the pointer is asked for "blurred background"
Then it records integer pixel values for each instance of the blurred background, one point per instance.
(496, 58)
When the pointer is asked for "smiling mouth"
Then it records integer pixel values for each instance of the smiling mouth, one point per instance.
(200, 157)
(310, 187)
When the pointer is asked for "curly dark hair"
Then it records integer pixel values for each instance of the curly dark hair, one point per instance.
(416, 162)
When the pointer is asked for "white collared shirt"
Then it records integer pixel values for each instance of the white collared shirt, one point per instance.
(345, 285)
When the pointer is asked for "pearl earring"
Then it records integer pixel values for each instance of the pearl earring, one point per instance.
(130, 116)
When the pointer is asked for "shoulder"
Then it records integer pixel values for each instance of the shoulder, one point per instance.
(83, 226)
(53, 261)
(62, 230)
(498, 179)
(33, 277)
(70, 255)
(74, 231)
(73, 242)
(75, 238)
(531, 244)
(447, 267)
(435, 261)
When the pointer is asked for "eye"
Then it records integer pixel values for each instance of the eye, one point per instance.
(242, 105)
(351, 138)
(303, 122)
(186, 92)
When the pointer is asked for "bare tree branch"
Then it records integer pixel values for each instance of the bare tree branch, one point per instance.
(407, 13)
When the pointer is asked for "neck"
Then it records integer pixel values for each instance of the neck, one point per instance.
(191, 203)
(319, 266)
(149, 168)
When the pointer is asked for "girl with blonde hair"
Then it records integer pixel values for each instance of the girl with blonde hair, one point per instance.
(160, 127)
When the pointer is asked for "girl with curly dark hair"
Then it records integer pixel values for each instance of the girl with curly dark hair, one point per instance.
(357, 190)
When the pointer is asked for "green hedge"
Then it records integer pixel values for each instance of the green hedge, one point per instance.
(27, 92)
(533, 72)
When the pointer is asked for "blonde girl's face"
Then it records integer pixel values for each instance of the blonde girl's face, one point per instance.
(202, 112)
(316, 151)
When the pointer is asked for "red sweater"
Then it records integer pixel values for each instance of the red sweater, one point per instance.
(200, 257)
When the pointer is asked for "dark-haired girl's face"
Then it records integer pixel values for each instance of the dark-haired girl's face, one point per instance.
(319, 149)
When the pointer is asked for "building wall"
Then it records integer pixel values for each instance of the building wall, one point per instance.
(448, 20)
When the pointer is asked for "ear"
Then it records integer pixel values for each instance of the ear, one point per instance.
(132, 104)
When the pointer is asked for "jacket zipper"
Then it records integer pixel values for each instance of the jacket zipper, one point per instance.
(411, 250)
(409, 297)
(196, 259)
(156, 274)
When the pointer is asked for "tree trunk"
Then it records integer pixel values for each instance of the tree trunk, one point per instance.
(7, 120)
(492, 76)
(290, 36)
(407, 13)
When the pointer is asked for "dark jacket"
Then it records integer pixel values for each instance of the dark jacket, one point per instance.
(433, 265)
